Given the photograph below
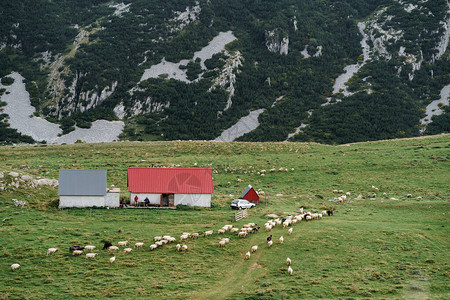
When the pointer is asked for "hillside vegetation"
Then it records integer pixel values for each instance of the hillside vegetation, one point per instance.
(88, 60)
(389, 247)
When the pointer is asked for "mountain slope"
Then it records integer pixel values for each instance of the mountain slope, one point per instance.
(326, 71)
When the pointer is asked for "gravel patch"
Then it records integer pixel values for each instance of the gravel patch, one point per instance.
(20, 112)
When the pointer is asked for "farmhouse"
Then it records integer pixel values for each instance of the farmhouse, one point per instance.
(250, 194)
(86, 188)
(169, 187)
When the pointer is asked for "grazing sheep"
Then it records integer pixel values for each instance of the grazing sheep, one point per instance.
(335, 191)
(242, 234)
(112, 259)
(269, 243)
(77, 252)
(195, 235)
(73, 248)
(91, 255)
(138, 245)
(254, 248)
(15, 267)
(127, 250)
(89, 247)
(106, 245)
(209, 232)
(157, 238)
(269, 238)
(184, 248)
(221, 231)
(290, 271)
(281, 239)
(247, 255)
(184, 237)
(222, 243)
(419, 198)
(308, 218)
(153, 247)
(234, 230)
(330, 212)
(159, 243)
(375, 188)
(409, 195)
(340, 191)
(51, 250)
(122, 243)
(256, 229)
(113, 248)
(288, 261)
(178, 247)
(227, 240)
(348, 194)
(290, 230)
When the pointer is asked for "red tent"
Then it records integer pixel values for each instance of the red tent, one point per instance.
(251, 195)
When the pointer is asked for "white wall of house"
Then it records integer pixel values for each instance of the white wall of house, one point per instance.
(81, 201)
(202, 200)
(112, 199)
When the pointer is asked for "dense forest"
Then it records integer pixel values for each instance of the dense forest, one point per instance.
(82, 60)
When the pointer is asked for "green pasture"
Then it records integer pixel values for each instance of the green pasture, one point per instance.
(379, 247)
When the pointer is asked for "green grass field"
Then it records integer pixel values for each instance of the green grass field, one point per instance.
(376, 247)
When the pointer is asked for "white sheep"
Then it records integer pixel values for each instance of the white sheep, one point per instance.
(77, 252)
(195, 235)
(209, 232)
(159, 243)
(290, 271)
(375, 188)
(138, 245)
(269, 243)
(409, 195)
(122, 243)
(153, 247)
(227, 240)
(157, 238)
(127, 250)
(15, 267)
(51, 250)
(281, 239)
(222, 243)
(112, 259)
(254, 248)
(221, 231)
(290, 230)
(113, 248)
(178, 247)
(242, 234)
(184, 248)
(89, 247)
(247, 255)
(184, 237)
(91, 255)
(288, 261)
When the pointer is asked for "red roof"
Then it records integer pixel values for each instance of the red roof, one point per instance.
(170, 180)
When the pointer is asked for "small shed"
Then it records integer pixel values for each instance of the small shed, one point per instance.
(86, 188)
(169, 187)
(251, 195)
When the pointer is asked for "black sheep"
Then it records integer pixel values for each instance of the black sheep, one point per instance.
(330, 212)
(269, 238)
(107, 245)
(254, 230)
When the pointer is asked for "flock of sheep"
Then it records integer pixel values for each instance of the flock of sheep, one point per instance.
(160, 241)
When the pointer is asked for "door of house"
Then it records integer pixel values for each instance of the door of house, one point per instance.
(165, 200)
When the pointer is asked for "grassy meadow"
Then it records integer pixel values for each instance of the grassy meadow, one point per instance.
(381, 247)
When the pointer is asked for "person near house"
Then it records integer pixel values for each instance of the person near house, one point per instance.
(136, 199)
(123, 203)
(146, 201)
